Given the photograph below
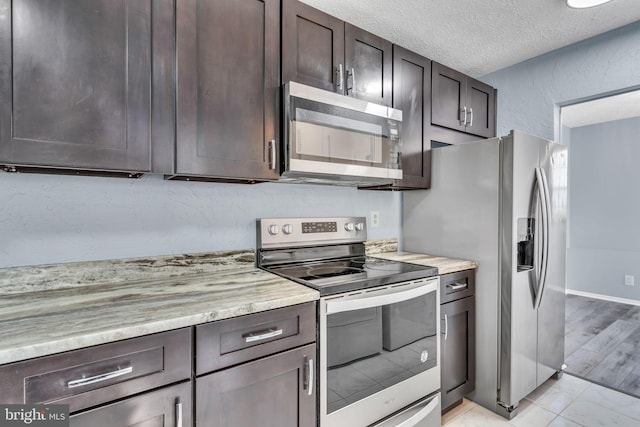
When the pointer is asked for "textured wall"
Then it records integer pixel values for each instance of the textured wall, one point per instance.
(604, 210)
(529, 92)
(52, 219)
(529, 96)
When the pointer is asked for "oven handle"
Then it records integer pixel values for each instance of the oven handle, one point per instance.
(377, 300)
(422, 414)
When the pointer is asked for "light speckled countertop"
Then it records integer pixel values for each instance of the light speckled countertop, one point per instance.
(77, 305)
(388, 249)
(53, 308)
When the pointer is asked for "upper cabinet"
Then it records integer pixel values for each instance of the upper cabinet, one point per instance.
(322, 51)
(227, 90)
(462, 103)
(76, 82)
(412, 95)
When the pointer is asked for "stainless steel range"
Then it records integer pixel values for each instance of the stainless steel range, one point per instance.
(378, 322)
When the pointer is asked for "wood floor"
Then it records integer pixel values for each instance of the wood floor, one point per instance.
(602, 343)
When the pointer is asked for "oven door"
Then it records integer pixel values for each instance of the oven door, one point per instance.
(379, 351)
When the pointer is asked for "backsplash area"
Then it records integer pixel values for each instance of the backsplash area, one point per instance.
(48, 219)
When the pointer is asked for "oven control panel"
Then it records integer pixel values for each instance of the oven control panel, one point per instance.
(288, 232)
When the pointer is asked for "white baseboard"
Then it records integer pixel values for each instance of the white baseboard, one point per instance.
(603, 297)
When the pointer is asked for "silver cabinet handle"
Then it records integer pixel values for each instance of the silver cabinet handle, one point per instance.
(446, 327)
(99, 378)
(340, 79)
(471, 114)
(308, 379)
(463, 110)
(352, 74)
(179, 414)
(261, 335)
(457, 286)
(272, 154)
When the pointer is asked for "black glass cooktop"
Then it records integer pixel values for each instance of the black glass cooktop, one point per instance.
(342, 275)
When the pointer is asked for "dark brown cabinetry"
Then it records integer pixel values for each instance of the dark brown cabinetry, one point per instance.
(154, 369)
(412, 95)
(96, 375)
(258, 370)
(458, 336)
(167, 407)
(462, 103)
(227, 85)
(76, 82)
(269, 392)
(322, 51)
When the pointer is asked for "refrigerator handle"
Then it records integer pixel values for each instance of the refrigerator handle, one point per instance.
(543, 192)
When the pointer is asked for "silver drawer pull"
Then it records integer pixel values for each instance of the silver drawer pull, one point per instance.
(179, 414)
(262, 335)
(99, 378)
(457, 286)
(310, 367)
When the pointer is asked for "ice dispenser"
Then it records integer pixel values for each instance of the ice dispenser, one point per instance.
(526, 236)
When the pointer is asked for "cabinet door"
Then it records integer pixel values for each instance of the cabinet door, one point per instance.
(227, 53)
(412, 95)
(312, 47)
(448, 97)
(75, 80)
(481, 103)
(368, 65)
(458, 369)
(167, 407)
(269, 392)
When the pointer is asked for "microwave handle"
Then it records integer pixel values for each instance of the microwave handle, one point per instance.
(380, 300)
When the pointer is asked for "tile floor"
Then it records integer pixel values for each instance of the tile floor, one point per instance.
(567, 402)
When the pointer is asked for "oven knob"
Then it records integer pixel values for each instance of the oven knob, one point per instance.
(274, 229)
(359, 226)
(287, 229)
(349, 226)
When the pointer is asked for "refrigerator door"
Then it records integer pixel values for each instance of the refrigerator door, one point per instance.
(519, 286)
(553, 161)
(532, 287)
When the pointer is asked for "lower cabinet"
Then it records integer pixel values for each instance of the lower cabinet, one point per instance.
(254, 370)
(167, 407)
(458, 337)
(258, 370)
(275, 391)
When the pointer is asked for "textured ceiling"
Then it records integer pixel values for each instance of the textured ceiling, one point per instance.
(481, 36)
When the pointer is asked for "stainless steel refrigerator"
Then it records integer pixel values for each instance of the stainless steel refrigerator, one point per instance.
(503, 203)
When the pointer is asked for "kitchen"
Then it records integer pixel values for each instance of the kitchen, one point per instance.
(54, 219)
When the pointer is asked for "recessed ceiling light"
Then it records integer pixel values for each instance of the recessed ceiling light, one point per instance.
(582, 4)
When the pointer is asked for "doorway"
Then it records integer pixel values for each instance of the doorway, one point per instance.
(603, 240)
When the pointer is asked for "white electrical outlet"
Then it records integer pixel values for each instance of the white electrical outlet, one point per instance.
(375, 219)
(629, 280)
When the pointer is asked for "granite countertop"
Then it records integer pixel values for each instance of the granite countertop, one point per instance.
(50, 309)
(54, 308)
(388, 249)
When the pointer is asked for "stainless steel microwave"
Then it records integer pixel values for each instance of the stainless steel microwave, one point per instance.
(337, 139)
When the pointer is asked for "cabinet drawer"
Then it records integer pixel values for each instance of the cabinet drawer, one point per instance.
(457, 285)
(232, 341)
(167, 407)
(95, 375)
